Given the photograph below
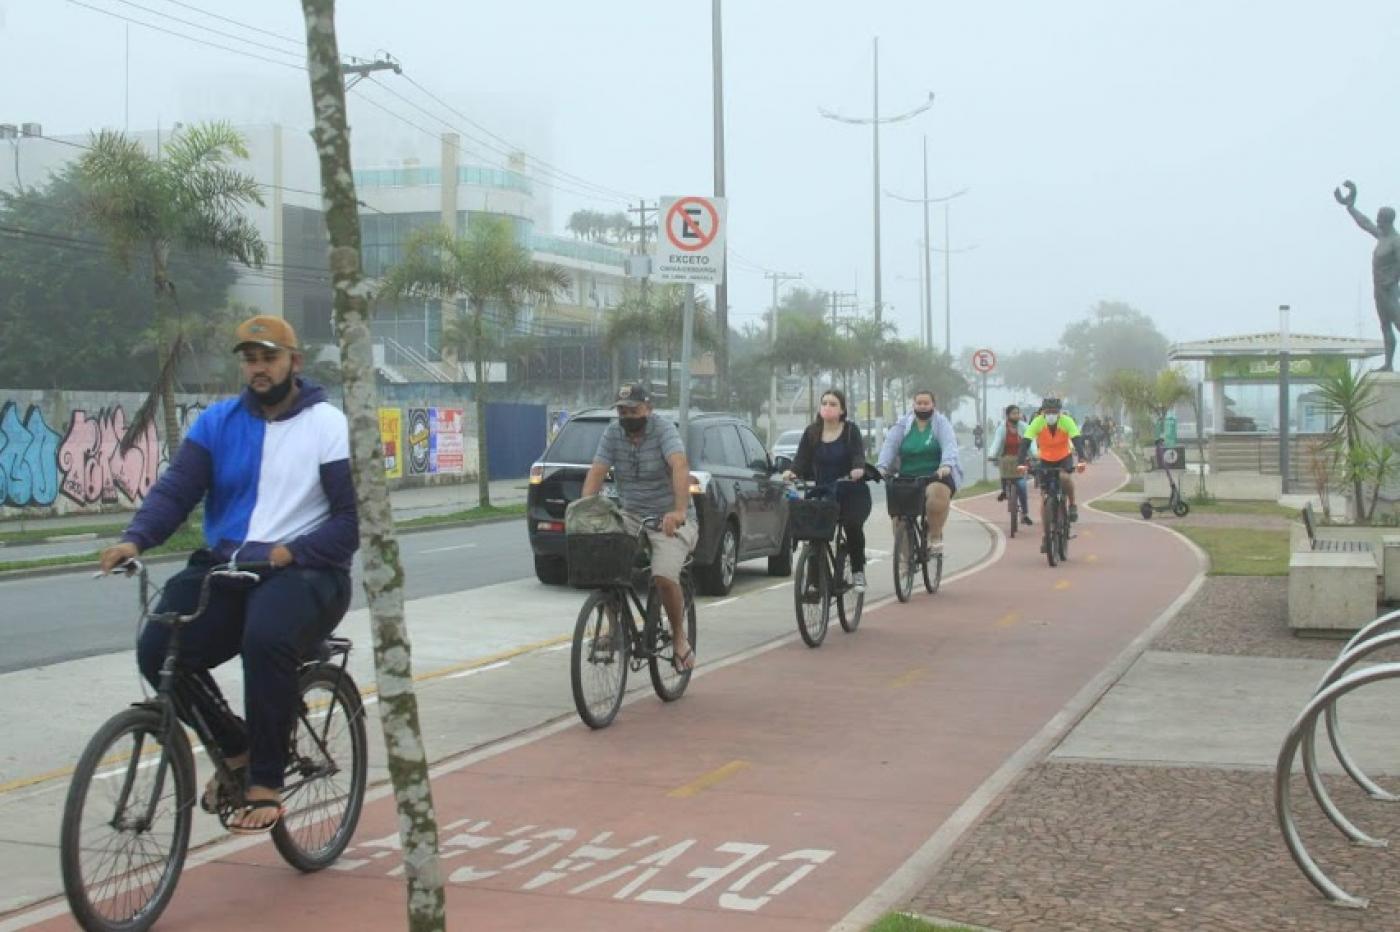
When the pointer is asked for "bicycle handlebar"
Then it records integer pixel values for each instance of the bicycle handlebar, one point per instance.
(239, 572)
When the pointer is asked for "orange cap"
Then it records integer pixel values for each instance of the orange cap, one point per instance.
(265, 330)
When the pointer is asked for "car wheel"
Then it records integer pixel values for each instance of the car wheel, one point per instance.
(552, 571)
(780, 564)
(717, 578)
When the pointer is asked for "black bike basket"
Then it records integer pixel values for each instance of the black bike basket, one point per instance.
(813, 518)
(904, 496)
(599, 560)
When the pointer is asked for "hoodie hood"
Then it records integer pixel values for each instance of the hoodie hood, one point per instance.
(308, 393)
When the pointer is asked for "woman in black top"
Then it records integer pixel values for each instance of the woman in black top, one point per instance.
(832, 449)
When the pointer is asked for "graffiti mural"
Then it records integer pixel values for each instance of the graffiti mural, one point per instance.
(28, 458)
(94, 467)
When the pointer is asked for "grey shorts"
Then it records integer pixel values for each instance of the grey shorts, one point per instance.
(668, 554)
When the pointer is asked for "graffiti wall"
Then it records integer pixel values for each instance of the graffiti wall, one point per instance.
(60, 452)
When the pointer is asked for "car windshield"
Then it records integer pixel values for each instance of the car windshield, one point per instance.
(790, 438)
(577, 442)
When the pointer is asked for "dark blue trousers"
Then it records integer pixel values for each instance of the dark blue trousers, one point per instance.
(274, 625)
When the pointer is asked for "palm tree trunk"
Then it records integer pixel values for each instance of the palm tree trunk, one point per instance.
(483, 467)
(379, 550)
(165, 348)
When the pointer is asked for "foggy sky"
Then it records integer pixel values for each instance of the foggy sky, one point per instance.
(1179, 156)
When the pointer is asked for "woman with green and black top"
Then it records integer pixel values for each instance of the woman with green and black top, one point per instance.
(922, 443)
(831, 449)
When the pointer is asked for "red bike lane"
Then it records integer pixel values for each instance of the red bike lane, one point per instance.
(778, 793)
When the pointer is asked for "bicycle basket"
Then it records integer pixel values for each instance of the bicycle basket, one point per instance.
(904, 496)
(598, 560)
(813, 518)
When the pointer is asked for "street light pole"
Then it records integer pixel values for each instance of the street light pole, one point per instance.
(1283, 388)
(875, 120)
(722, 289)
(928, 272)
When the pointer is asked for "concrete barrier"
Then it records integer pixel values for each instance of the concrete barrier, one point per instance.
(1330, 594)
(1390, 563)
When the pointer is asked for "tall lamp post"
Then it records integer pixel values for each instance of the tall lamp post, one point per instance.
(928, 272)
(874, 122)
(1283, 389)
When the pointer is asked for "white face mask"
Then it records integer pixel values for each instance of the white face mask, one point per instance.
(1052, 419)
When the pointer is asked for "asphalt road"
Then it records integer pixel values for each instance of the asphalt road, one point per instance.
(50, 619)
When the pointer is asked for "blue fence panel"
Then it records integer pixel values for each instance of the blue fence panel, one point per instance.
(516, 435)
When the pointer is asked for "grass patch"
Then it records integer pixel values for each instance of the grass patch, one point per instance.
(190, 537)
(980, 488)
(1241, 551)
(899, 922)
(470, 516)
(1134, 485)
(1216, 507)
(39, 536)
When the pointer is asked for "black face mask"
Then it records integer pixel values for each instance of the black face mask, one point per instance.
(923, 415)
(277, 393)
(633, 425)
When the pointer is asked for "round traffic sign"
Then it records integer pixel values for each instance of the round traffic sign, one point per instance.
(984, 360)
(684, 231)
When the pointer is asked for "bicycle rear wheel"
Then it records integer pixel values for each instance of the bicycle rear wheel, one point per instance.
(1050, 539)
(849, 603)
(668, 682)
(811, 590)
(326, 770)
(1062, 526)
(126, 822)
(598, 661)
(1015, 514)
(904, 558)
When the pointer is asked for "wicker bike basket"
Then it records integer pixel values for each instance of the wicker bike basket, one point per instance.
(599, 560)
(904, 496)
(813, 518)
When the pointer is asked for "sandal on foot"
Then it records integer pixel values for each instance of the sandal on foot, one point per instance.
(684, 663)
(247, 809)
(214, 795)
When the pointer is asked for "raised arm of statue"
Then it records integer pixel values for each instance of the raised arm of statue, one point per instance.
(1348, 200)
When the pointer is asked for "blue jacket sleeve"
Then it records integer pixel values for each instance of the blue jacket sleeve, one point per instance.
(334, 543)
(890, 449)
(948, 440)
(173, 497)
(998, 442)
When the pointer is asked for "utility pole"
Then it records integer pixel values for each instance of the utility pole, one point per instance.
(875, 120)
(722, 289)
(927, 247)
(642, 227)
(777, 278)
(356, 70)
(1284, 375)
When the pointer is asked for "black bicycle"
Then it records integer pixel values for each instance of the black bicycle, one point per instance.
(823, 574)
(607, 638)
(1055, 533)
(904, 497)
(126, 821)
(1010, 490)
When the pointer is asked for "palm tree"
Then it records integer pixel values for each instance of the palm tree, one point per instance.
(668, 310)
(1348, 397)
(496, 276)
(868, 338)
(632, 320)
(186, 195)
(806, 344)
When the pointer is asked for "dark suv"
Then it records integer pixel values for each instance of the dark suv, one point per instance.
(738, 499)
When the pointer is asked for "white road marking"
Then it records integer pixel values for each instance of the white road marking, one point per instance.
(490, 666)
(445, 549)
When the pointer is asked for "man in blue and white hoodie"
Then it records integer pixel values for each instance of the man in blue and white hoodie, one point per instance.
(272, 467)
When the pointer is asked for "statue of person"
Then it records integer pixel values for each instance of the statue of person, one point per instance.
(1385, 266)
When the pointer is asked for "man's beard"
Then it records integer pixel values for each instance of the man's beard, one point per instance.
(277, 393)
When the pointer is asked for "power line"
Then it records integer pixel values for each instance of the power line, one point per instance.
(181, 35)
(276, 35)
(218, 32)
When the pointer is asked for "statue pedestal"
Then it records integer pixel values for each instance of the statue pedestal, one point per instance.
(1384, 418)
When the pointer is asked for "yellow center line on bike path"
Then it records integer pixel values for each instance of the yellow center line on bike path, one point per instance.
(1009, 619)
(705, 781)
(908, 677)
(1062, 585)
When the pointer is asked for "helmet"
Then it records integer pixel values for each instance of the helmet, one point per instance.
(1050, 404)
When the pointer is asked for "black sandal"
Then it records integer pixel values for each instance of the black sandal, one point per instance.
(684, 663)
(248, 808)
(221, 797)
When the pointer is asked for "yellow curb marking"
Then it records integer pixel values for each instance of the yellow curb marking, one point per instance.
(908, 677)
(1009, 619)
(1092, 558)
(1062, 585)
(704, 782)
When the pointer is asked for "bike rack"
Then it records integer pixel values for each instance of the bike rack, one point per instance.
(1339, 680)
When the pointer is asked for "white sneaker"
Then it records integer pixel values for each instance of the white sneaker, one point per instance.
(935, 548)
(858, 580)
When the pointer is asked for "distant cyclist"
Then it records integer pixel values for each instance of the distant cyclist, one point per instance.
(923, 444)
(1005, 452)
(1057, 439)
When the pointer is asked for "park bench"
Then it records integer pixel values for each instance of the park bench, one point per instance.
(1324, 545)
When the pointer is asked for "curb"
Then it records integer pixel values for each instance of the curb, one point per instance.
(60, 569)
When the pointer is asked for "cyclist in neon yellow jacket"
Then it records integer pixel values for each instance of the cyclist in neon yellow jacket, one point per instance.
(1055, 433)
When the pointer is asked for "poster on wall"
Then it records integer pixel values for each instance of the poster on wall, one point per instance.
(419, 441)
(448, 443)
(390, 430)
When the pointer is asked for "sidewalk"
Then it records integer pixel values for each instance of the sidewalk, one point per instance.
(406, 503)
(1156, 812)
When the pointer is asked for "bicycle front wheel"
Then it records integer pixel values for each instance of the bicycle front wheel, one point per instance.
(126, 822)
(1062, 526)
(326, 768)
(811, 591)
(904, 558)
(598, 662)
(849, 603)
(1015, 515)
(1050, 538)
(668, 682)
